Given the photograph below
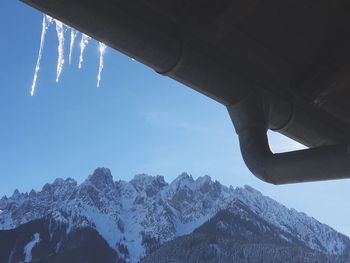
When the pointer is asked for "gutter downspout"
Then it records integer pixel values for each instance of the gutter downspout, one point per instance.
(251, 120)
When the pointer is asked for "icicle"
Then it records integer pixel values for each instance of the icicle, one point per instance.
(102, 49)
(45, 25)
(60, 30)
(60, 49)
(83, 43)
(73, 35)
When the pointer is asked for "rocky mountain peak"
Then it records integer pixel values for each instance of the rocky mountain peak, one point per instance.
(15, 194)
(149, 184)
(32, 193)
(101, 178)
(204, 183)
(251, 189)
(184, 177)
(47, 188)
(203, 179)
(58, 181)
(183, 180)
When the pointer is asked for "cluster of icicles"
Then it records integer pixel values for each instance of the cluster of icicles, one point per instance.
(61, 29)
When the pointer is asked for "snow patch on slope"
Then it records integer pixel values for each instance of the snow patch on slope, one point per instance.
(105, 225)
(29, 247)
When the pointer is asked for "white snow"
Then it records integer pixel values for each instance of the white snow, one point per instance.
(73, 35)
(132, 235)
(58, 246)
(28, 248)
(11, 255)
(45, 25)
(102, 49)
(187, 228)
(83, 43)
(60, 48)
(105, 225)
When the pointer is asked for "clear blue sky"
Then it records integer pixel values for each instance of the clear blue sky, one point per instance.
(136, 122)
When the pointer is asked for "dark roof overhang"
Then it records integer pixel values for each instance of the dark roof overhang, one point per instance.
(280, 65)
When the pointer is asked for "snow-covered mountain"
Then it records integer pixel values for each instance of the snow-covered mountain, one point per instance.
(238, 235)
(146, 212)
